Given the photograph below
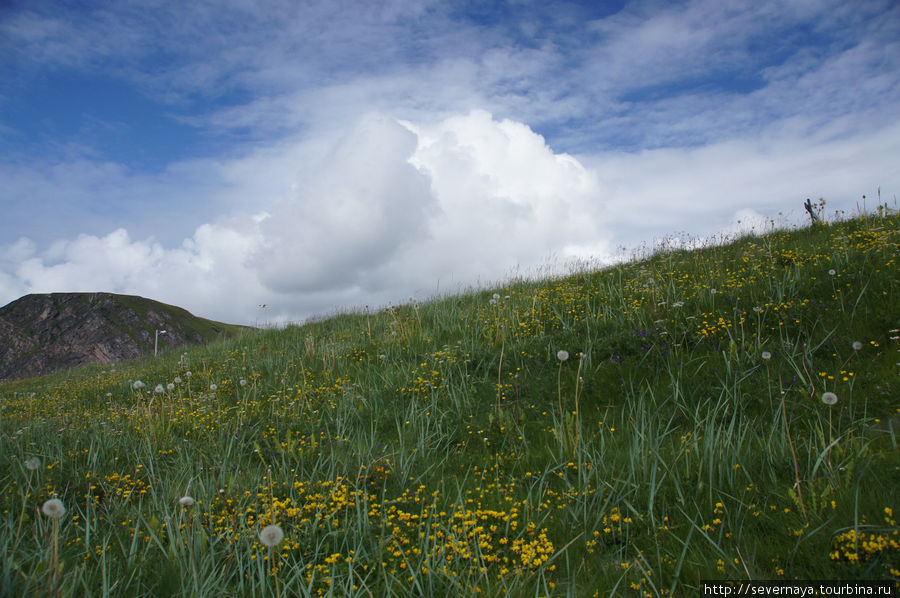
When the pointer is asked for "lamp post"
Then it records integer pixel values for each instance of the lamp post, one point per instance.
(156, 340)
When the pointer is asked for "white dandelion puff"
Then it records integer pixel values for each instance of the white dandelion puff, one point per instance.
(138, 385)
(829, 398)
(766, 355)
(857, 345)
(159, 389)
(186, 501)
(271, 535)
(53, 508)
(562, 355)
(32, 463)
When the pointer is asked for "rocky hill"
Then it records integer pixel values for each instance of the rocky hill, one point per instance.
(42, 333)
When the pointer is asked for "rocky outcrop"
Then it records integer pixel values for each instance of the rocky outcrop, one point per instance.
(43, 333)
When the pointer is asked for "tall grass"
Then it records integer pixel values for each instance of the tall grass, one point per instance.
(445, 448)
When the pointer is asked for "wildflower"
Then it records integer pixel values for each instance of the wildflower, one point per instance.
(159, 389)
(32, 463)
(829, 398)
(186, 501)
(138, 385)
(766, 355)
(53, 508)
(857, 345)
(562, 355)
(271, 535)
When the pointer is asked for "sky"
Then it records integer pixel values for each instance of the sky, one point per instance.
(320, 156)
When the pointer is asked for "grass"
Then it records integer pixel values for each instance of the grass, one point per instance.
(445, 448)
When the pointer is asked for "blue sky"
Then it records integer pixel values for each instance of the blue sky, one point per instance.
(319, 155)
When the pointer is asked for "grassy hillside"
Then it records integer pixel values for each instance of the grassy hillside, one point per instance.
(630, 431)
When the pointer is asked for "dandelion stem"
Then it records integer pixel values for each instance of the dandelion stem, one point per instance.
(787, 430)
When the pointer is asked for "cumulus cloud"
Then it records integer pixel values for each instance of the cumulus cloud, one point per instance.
(353, 211)
(389, 209)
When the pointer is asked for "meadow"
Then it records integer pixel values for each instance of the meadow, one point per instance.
(728, 412)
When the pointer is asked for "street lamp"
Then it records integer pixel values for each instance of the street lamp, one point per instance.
(156, 340)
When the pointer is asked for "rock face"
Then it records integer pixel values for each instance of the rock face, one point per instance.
(40, 334)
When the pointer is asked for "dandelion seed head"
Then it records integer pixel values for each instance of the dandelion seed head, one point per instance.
(53, 508)
(562, 355)
(857, 345)
(32, 463)
(496, 297)
(188, 374)
(213, 387)
(712, 291)
(766, 355)
(829, 398)
(243, 382)
(159, 389)
(832, 272)
(138, 385)
(271, 535)
(170, 386)
(186, 501)
(177, 379)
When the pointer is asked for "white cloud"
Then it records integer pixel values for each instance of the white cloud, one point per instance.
(392, 208)
(388, 210)
(699, 190)
(354, 210)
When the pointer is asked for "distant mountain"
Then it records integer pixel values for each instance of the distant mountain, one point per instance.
(42, 333)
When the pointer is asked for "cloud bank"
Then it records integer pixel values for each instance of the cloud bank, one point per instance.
(389, 209)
